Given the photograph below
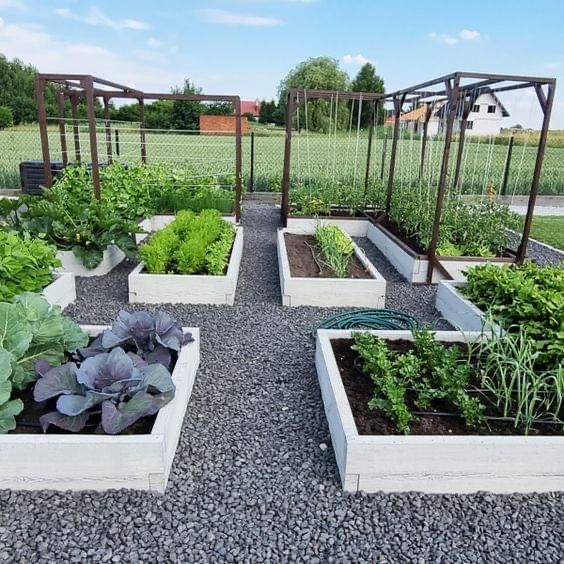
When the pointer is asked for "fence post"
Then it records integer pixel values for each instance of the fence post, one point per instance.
(507, 165)
(117, 141)
(383, 155)
(252, 175)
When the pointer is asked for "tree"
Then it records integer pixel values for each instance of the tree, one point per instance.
(368, 81)
(318, 73)
(6, 117)
(186, 114)
(267, 111)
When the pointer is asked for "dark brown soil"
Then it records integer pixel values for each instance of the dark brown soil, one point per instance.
(360, 389)
(301, 250)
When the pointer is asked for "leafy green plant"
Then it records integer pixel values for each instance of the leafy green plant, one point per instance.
(467, 228)
(336, 248)
(429, 371)
(527, 298)
(508, 366)
(26, 264)
(191, 244)
(30, 330)
(85, 227)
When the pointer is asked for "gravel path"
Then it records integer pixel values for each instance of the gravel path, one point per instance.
(254, 477)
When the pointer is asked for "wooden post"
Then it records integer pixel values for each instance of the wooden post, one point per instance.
(142, 130)
(287, 158)
(453, 94)
(62, 128)
(75, 129)
(238, 158)
(369, 150)
(503, 190)
(546, 105)
(252, 172)
(108, 128)
(88, 86)
(398, 104)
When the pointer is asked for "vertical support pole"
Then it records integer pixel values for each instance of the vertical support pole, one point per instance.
(503, 190)
(108, 128)
(453, 94)
(62, 128)
(369, 150)
(142, 130)
(42, 119)
(461, 140)
(75, 129)
(116, 132)
(547, 109)
(252, 172)
(398, 104)
(287, 158)
(428, 114)
(238, 158)
(384, 148)
(88, 86)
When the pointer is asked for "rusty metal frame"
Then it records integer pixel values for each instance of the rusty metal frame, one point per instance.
(293, 98)
(87, 87)
(451, 87)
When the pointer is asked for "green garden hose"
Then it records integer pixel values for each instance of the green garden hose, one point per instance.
(369, 319)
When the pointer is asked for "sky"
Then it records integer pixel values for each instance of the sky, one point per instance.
(246, 47)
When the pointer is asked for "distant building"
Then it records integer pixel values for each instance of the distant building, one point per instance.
(250, 107)
(484, 118)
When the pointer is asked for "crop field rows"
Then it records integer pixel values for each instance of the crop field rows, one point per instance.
(324, 159)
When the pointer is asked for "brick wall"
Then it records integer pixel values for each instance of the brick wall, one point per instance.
(225, 124)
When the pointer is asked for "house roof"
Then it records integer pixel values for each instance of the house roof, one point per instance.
(504, 112)
(250, 107)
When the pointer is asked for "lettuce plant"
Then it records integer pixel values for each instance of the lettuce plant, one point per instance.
(122, 376)
(26, 264)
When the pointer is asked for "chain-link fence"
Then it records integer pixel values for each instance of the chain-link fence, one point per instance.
(327, 158)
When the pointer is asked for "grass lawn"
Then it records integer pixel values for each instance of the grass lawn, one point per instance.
(549, 229)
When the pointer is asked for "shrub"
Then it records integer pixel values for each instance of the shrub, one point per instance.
(191, 244)
(6, 117)
(26, 264)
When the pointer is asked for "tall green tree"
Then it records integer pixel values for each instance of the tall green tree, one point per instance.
(367, 81)
(186, 114)
(318, 73)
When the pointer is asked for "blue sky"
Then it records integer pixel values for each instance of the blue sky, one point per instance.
(246, 46)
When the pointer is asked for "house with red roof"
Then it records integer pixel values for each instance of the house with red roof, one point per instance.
(250, 107)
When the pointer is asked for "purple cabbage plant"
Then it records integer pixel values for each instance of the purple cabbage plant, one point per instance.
(124, 375)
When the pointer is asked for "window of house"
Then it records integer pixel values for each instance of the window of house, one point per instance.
(476, 108)
(469, 125)
(491, 109)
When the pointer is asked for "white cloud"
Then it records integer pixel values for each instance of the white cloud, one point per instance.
(95, 16)
(53, 54)
(469, 34)
(449, 39)
(357, 60)
(234, 18)
(15, 4)
(154, 43)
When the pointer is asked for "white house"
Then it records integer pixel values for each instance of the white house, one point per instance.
(484, 118)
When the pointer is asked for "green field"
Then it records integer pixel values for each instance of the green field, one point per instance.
(323, 158)
(549, 229)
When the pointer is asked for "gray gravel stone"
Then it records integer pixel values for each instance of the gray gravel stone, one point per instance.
(250, 482)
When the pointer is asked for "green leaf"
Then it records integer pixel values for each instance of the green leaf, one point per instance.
(15, 331)
(90, 258)
(73, 336)
(8, 412)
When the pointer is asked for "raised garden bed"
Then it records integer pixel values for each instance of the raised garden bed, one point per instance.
(459, 311)
(71, 263)
(303, 282)
(412, 264)
(353, 226)
(32, 461)
(62, 291)
(435, 460)
(188, 288)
